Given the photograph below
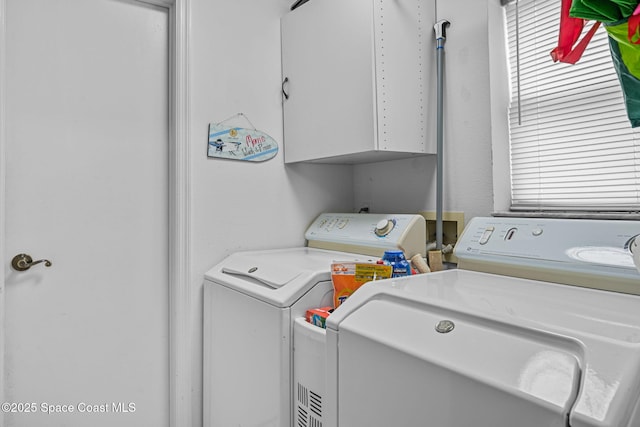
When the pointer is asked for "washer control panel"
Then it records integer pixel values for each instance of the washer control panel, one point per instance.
(548, 247)
(561, 240)
(369, 234)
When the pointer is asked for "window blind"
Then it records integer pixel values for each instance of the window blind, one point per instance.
(571, 145)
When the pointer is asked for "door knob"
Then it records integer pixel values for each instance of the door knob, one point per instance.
(22, 262)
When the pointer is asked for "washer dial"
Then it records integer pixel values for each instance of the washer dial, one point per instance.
(384, 227)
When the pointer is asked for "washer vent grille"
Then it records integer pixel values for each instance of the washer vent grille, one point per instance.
(308, 408)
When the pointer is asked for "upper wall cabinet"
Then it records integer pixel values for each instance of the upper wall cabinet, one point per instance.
(358, 80)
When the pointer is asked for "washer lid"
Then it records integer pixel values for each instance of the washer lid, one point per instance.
(605, 324)
(277, 276)
(528, 378)
(262, 269)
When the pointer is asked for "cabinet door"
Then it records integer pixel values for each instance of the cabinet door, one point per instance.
(327, 58)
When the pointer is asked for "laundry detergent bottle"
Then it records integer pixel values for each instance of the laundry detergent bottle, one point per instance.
(396, 259)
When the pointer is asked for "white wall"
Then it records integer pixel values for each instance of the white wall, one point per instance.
(408, 186)
(235, 67)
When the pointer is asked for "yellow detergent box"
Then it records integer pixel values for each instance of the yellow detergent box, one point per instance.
(347, 277)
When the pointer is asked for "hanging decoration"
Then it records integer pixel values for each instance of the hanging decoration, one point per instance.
(621, 19)
(237, 143)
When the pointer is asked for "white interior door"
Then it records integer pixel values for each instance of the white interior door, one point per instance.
(87, 188)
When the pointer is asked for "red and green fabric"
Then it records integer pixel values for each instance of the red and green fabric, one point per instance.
(569, 49)
(626, 60)
(606, 11)
(621, 19)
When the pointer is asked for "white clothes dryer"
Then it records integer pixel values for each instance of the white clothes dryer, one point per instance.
(479, 347)
(252, 298)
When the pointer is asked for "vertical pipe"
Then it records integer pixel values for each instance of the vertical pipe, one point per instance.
(518, 62)
(439, 29)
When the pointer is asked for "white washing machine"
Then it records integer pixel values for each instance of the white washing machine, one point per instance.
(502, 341)
(251, 300)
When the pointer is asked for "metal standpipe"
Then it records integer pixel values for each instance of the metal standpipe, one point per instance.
(440, 34)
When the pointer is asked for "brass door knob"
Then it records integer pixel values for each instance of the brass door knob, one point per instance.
(23, 262)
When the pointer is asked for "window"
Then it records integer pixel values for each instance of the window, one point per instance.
(571, 144)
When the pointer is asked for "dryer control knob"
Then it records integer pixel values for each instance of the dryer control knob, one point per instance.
(384, 227)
